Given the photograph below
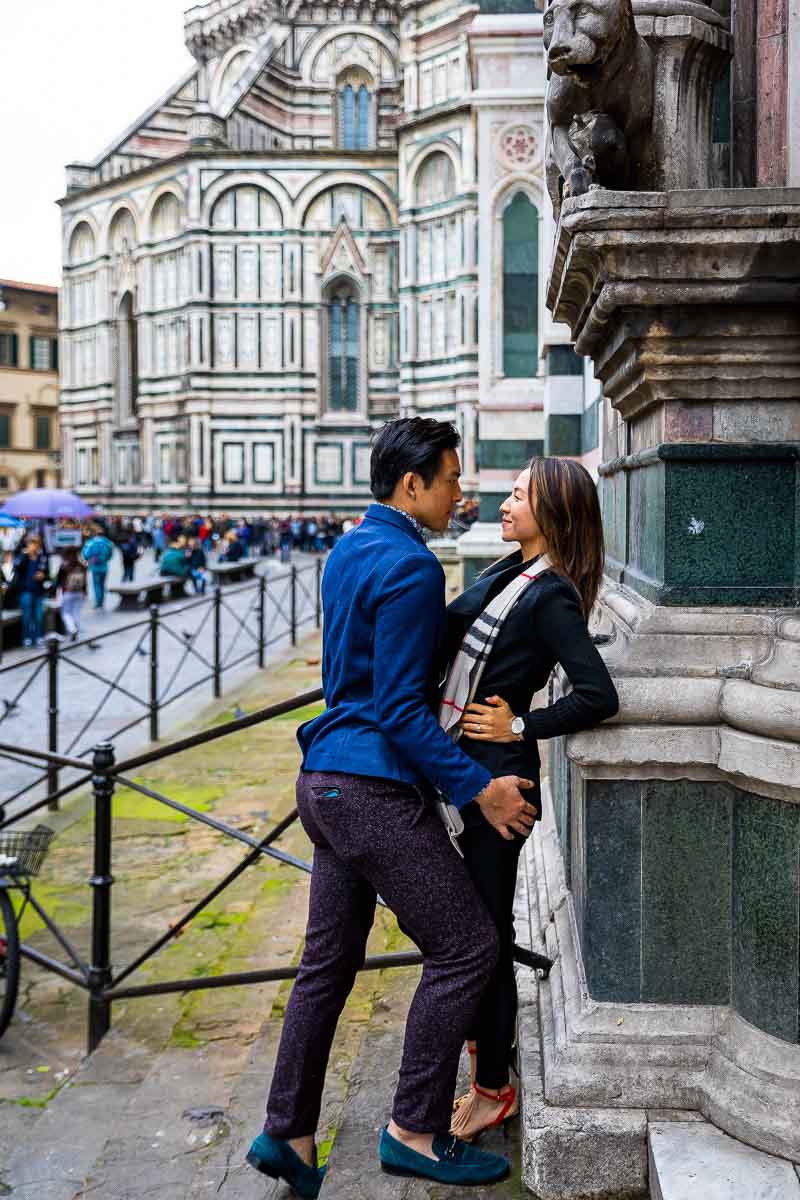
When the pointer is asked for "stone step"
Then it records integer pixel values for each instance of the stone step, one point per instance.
(60, 1149)
(354, 1171)
(696, 1161)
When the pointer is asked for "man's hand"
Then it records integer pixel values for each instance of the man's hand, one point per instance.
(504, 806)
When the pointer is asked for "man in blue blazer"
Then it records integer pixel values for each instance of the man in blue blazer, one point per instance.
(372, 764)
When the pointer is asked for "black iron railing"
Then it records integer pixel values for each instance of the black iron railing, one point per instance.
(224, 637)
(97, 978)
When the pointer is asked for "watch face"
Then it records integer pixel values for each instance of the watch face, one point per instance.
(518, 725)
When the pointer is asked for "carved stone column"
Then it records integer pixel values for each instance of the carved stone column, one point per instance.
(691, 48)
(667, 879)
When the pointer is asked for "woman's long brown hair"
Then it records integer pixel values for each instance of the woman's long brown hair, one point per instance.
(563, 499)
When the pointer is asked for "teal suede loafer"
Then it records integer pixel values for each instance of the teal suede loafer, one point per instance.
(277, 1159)
(457, 1162)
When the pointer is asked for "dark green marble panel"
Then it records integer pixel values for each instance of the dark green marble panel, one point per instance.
(490, 502)
(562, 434)
(590, 432)
(731, 530)
(562, 360)
(646, 523)
(512, 454)
(611, 907)
(613, 503)
(766, 913)
(508, 6)
(686, 892)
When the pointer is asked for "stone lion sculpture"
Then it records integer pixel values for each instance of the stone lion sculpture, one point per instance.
(599, 99)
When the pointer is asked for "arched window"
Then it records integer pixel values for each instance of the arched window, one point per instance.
(82, 245)
(127, 382)
(354, 101)
(166, 219)
(436, 179)
(362, 118)
(348, 117)
(520, 288)
(343, 339)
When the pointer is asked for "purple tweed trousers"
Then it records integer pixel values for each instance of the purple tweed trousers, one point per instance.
(374, 837)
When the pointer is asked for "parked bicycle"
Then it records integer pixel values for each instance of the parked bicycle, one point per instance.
(21, 858)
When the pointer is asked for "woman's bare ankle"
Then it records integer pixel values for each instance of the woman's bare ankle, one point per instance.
(304, 1148)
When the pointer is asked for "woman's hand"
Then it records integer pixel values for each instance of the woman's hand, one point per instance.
(489, 722)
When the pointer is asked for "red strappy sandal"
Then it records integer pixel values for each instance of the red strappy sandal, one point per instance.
(507, 1097)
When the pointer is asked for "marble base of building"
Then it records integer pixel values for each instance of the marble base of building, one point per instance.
(665, 883)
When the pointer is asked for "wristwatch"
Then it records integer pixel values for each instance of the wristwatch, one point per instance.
(518, 726)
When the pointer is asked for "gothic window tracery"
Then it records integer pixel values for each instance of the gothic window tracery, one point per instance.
(344, 321)
(355, 102)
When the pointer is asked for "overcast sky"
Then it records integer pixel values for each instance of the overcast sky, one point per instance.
(73, 75)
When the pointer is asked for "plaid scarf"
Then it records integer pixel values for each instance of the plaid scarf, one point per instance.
(465, 673)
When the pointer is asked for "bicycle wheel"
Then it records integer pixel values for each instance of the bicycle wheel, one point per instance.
(9, 960)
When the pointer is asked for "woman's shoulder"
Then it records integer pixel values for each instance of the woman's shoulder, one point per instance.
(550, 588)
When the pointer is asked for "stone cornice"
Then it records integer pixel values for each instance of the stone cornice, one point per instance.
(623, 261)
(214, 27)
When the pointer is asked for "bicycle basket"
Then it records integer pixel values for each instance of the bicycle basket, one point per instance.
(27, 850)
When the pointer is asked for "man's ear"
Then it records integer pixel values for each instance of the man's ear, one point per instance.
(410, 484)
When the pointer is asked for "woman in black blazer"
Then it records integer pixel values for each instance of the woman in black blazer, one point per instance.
(553, 510)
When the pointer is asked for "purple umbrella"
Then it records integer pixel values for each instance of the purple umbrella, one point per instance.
(47, 503)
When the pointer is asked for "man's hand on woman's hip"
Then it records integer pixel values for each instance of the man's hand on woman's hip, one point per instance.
(505, 807)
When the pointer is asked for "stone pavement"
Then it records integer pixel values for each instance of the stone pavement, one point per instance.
(89, 712)
(169, 1103)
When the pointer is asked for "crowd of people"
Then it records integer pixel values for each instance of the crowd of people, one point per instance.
(37, 565)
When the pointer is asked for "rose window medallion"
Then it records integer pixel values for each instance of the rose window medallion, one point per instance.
(519, 146)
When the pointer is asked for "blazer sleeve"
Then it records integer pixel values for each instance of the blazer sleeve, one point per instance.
(560, 625)
(407, 627)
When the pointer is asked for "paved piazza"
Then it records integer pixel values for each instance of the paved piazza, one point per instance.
(89, 712)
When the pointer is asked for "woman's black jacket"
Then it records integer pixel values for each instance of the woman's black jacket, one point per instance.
(545, 627)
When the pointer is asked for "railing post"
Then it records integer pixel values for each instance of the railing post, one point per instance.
(3, 590)
(217, 642)
(53, 641)
(101, 881)
(154, 619)
(262, 614)
(318, 595)
(294, 606)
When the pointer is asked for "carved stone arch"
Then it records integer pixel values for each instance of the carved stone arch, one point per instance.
(266, 183)
(81, 242)
(115, 216)
(320, 40)
(444, 145)
(324, 183)
(173, 188)
(223, 81)
(532, 183)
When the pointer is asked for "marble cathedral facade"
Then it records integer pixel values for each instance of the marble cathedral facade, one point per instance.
(337, 216)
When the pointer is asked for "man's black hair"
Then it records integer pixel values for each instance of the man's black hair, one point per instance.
(410, 444)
